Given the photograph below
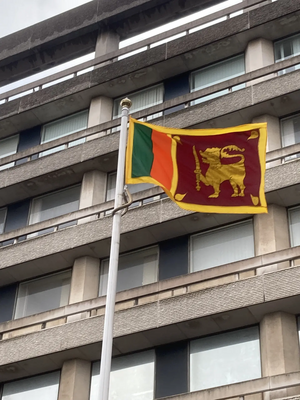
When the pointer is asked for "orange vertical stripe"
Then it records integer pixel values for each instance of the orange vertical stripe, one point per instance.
(162, 167)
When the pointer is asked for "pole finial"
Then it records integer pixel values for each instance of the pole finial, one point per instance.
(126, 102)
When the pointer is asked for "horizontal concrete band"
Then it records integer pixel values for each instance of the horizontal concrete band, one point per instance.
(158, 212)
(239, 390)
(186, 283)
(185, 99)
(90, 17)
(40, 170)
(113, 56)
(257, 290)
(90, 232)
(81, 153)
(143, 61)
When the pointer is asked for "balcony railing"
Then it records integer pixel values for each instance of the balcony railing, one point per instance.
(144, 45)
(105, 209)
(149, 293)
(185, 100)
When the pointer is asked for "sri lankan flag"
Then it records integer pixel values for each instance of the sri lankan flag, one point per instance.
(207, 170)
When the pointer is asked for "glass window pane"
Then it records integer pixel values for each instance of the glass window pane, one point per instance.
(36, 388)
(2, 219)
(225, 359)
(55, 204)
(132, 377)
(135, 269)
(290, 133)
(43, 294)
(294, 217)
(8, 147)
(111, 186)
(290, 130)
(222, 246)
(217, 73)
(287, 47)
(141, 100)
(64, 126)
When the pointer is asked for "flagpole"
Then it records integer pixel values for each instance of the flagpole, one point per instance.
(107, 342)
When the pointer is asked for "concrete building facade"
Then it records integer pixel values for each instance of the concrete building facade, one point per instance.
(207, 304)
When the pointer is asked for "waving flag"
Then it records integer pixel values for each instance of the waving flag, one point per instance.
(204, 170)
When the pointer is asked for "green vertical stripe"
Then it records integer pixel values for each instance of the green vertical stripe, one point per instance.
(142, 155)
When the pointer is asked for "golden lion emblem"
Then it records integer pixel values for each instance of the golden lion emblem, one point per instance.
(217, 172)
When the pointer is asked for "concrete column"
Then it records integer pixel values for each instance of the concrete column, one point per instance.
(107, 42)
(271, 233)
(274, 136)
(101, 109)
(93, 191)
(85, 279)
(259, 54)
(75, 380)
(279, 349)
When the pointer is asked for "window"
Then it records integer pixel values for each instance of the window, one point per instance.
(287, 48)
(54, 204)
(35, 388)
(294, 219)
(43, 294)
(225, 359)
(63, 127)
(8, 147)
(2, 219)
(217, 73)
(135, 269)
(131, 377)
(290, 133)
(141, 100)
(222, 246)
(111, 186)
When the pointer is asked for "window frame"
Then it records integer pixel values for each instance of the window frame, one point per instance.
(4, 219)
(57, 371)
(114, 173)
(14, 317)
(117, 100)
(216, 229)
(48, 194)
(102, 285)
(219, 93)
(96, 363)
(66, 145)
(282, 121)
(276, 42)
(290, 225)
(257, 326)
(13, 163)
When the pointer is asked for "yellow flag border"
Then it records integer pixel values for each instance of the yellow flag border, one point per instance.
(262, 143)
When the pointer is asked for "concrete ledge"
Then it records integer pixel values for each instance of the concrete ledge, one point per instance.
(192, 282)
(149, 318)
(163, 218)
(74, 32)
(133, 73)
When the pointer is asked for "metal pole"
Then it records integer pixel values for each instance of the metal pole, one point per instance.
(106, 354)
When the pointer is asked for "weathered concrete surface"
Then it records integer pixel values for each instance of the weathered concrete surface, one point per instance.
(198, 49)
(74, 33)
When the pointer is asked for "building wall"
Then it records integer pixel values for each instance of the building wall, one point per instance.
(55, 245)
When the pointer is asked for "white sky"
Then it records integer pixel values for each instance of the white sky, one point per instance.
(18, 14)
